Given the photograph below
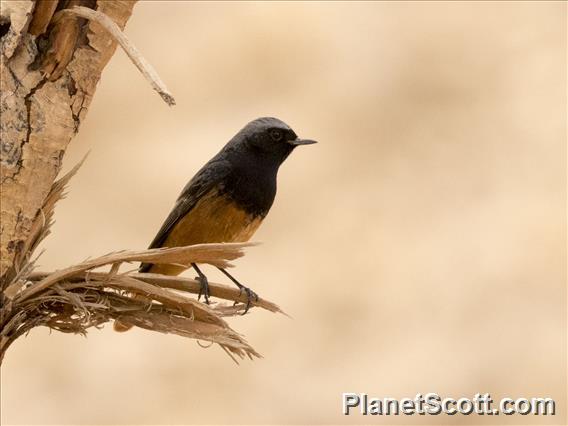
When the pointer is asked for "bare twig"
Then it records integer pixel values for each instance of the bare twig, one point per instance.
(135, 56)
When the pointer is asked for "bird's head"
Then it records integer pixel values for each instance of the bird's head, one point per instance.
(270, 137)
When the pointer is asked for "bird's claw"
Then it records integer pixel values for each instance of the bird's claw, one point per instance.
(250, 296)
(203, 289)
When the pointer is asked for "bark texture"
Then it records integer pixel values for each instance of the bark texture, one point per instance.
(49, 72)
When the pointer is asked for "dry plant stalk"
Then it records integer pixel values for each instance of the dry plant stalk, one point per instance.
(76, 298)
(137, 59)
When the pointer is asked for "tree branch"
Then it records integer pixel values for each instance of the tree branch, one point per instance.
(135, 56)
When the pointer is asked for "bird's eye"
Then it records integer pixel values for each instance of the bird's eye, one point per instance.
(276, 135)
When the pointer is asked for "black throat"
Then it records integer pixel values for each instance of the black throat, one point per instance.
(251, 184)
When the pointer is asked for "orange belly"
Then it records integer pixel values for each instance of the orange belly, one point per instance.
(214, 219)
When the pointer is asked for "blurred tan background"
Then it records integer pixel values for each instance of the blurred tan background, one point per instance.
(420, 247)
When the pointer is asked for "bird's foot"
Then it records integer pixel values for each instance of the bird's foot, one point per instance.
(203, 289)
(251, 295)
(204, 284)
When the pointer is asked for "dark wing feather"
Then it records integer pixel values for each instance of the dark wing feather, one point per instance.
(211, 175)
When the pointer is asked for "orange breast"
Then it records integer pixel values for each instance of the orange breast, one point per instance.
(214, 219)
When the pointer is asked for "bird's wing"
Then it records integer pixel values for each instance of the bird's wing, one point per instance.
(206, 179)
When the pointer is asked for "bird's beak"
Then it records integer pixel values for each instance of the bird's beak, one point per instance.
(299, 141)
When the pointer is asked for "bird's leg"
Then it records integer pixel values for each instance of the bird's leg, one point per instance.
(250, 294)
(204, 289)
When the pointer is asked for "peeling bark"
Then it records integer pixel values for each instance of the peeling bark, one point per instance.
(47, 83)
(43, 12)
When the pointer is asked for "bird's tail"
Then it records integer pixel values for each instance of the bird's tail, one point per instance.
(121, 327)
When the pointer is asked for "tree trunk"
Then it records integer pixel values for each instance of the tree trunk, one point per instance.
(49, 72)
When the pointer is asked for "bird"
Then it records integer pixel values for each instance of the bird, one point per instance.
(229, 197)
